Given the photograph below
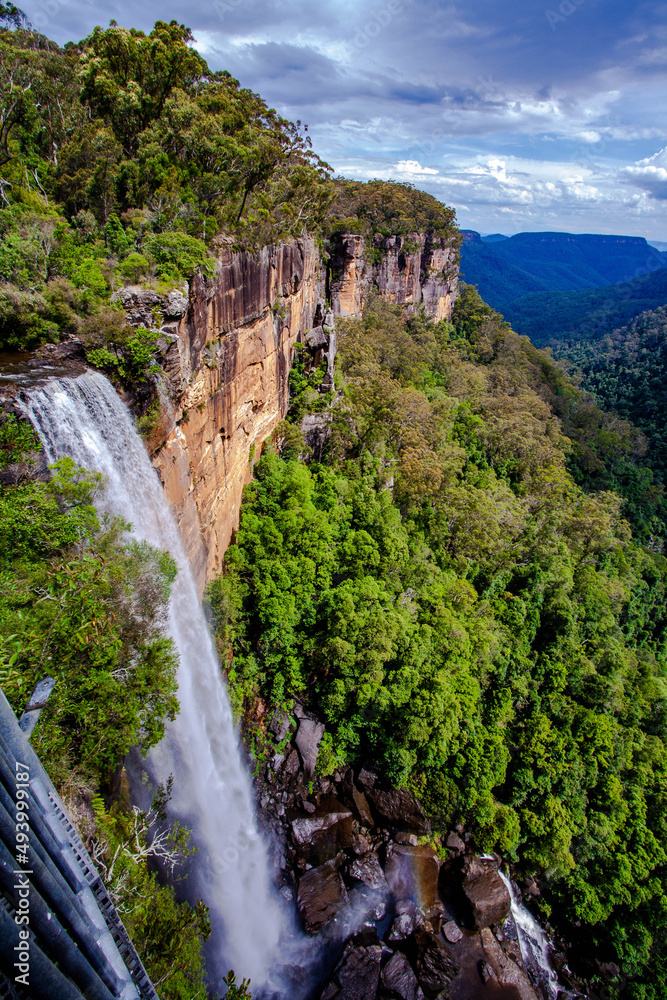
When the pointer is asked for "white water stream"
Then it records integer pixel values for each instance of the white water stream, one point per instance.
(83, 418)
(534, 944)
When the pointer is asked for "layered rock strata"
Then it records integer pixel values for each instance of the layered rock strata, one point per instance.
(412, 271)
(227, 346)
(226, 353)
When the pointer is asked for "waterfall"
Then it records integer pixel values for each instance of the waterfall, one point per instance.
(534, 945)
(83, 418)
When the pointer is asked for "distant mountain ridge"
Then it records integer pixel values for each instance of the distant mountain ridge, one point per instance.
(506, 269)
(588, 314)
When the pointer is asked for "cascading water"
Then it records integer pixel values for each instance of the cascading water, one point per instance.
(534, 944)
(83, 418)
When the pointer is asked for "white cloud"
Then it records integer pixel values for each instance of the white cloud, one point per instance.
(650, 175)
(413, 167)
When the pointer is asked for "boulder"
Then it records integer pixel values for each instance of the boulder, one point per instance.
(357, 974)
(356, 800)
(486, 972)
(486, 896)
(407, 838)
(308, 738)
(367, 777)
(316, 338)
(399, 978)
(413, 872)
(398, 809)
(367, 869)
(436, 966)
(452, 931)
(175, 305)
(305, 828)
(498, 965)
(291, 764)
(321, 894)
(454, 843)
(279, 724)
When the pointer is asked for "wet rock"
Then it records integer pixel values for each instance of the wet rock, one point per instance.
(486, 972)
(307, 741)
(356, 800)
(454, 843)
(367, 906)
(367, 869)
(304, 828)
(397, 809)
(291, 764)
(436, 966)
(402, 927)
(357, 975)
(506, 971)
(413, 872)
(407, 838)
(399, 978)
(321, 894)
(452, 931)
(279, 724)
(488, 901)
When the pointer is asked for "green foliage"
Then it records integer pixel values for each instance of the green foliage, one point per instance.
(88, 605)
(177, 255)
(121, 159)
(461, 611)
(167, 934)
(552, 317)
(626, 371)
(390, 208)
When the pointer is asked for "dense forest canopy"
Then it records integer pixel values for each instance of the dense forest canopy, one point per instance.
(469, 587)
(456, 589)
(121, 159)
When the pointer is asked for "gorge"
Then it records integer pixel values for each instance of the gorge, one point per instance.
(432, 566)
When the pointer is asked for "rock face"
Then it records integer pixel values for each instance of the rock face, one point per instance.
(227, 359)
(413, 271)
(321, 894)
(226, 348)
(488, 901)
(397, 808)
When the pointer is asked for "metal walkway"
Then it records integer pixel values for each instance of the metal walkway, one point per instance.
(75, 946)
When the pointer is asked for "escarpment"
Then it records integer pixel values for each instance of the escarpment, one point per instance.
(411, 271)
(226, 351)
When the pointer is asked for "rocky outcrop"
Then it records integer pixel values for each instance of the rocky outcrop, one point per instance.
(226, 348)
(486, 895)
(396, 920)
(321, 894)
(226, 352)
(412, 271)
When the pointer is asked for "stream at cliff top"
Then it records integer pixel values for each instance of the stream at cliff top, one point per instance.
(83, 418)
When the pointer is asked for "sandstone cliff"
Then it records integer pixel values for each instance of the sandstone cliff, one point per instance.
(413, 271)
(226, 351)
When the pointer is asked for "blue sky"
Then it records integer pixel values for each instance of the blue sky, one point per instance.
(522, 114)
